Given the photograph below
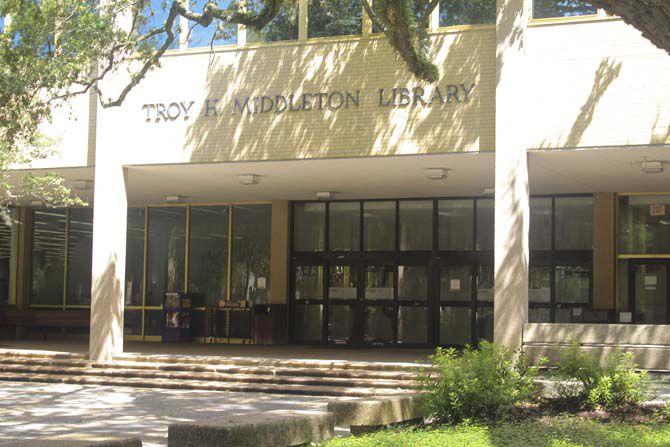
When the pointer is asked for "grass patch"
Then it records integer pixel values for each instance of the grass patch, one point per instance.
(561, 431)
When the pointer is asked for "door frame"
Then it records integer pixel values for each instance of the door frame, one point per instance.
(632, 293)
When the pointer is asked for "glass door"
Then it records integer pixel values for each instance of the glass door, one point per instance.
(649, 289)
(343, 305)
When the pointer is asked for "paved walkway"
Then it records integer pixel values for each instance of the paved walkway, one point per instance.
(30, 411)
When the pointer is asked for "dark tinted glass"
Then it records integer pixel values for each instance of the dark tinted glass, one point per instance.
(334, 18)
(80, 250)
(166, 248)
(48, 256)
(135, 256)
(467, 12)
(283, 27)
(543, 9)
(208, 255)
(252, 226)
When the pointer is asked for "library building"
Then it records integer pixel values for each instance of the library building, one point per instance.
(299, 186)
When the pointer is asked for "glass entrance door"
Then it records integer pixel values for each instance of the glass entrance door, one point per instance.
(651, 297)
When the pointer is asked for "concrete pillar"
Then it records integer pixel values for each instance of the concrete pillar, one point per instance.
(279, 255)
(604, 252)
(109, 257)
(512, 213)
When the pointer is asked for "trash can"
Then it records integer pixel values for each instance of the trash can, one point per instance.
(176, 317)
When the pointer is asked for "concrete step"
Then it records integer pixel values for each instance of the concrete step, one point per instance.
(110, 371)
(181, 384)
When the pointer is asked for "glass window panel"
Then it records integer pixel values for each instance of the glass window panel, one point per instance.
(217, 33)
(208, 252)
(309, 226)
(456, 283)
(539, 315)
(455, 224)
(379, 226)
(574, 223)
(416, 225)
(413, 283)
(623, 295)
(48, 257)
(8, 246)
(134, 256)
(340, 324)
(132, 322)
(309, 282)
(154, 15)
(153, 323)
(378, 324)
(412, 324)
(544, 9)
(539, 284)
(342, 284)
(485, 323)
(651, 294)
(308, 322)
(379, 282)
(467, 12)
(573, 284)
(344, 226)
(166, 247)
(644, 224)
(569, 315)
(80, 251)
(455, 325)
(485, 283)
(485, 216)
(252, 225)
(334, 18)
(283, 27)
(540, 223)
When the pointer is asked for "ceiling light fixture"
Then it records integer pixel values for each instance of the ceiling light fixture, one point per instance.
(651, 167)
(436, 173)
(325, 195)
(248, 179)
(176, 198)
(489, 191)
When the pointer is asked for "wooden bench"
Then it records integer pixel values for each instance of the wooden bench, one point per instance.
(46, 318)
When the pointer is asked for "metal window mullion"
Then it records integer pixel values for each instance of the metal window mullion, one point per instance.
(229, 273)
(67, 255)
(187, 243)
(144, 270)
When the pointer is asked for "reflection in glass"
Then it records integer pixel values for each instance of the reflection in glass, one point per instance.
(344, 226)
(569, 315)
(416, 225)
(412, 324)
(485, 229)
(644, 224)
(539, 315)
(153, 16)
(208, 253)
(342, 283)
(132, 322)
(217, 33)
(485, 323)
(544, 9)
(153, 323)
(573, 284)
(283, 27)
(308, 322)
(8, 247)
(80, 252)
(539, 284)
(455, 325)
(456, 283)
(455, 224)
(252, 226)
(48, 256)
(309, 226)
(379, 282)
(379, 226)
(378, 324)
(651, 294)
(485, 283)
(574, 223)
(467, 12)
(334, 18)
(308, 282)
(165, 252)
(134, 256)
(412, 283)
(540, 223)
(340, 324)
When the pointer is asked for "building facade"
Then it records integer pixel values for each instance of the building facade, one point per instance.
(524, 197)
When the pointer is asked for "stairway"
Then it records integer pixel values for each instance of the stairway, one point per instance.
(242, 374)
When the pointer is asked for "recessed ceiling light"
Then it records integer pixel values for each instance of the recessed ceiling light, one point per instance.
(489, 191)
(325, 195)
(248, 179)
(176, 198)
(436, 173)
(651, 167)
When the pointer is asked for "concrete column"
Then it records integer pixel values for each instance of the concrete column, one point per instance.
(511, 176)
(604, 253)
(109, 257)
(279, 254)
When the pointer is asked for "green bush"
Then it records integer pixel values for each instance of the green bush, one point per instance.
(613, 385)
(475, 384)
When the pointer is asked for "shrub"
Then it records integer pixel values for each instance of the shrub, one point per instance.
(475, 384)
(613, 385)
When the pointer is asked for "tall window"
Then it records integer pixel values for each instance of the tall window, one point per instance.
(165, 252)
(334, 18)
(208, 253)
(153, 16)
(217, 33)
(251, 253)
(467, 12)
(544, 9)
(644, 224)
(283, 27)
(8, 247)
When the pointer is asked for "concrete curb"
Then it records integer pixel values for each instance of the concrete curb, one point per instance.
(77, 440)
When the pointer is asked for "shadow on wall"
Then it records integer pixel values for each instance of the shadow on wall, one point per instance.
(108, 311)
(366, 129)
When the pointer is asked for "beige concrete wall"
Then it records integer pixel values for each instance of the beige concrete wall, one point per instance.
(279, 252)
(596, 83)
(650, 344)
(349, 64)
